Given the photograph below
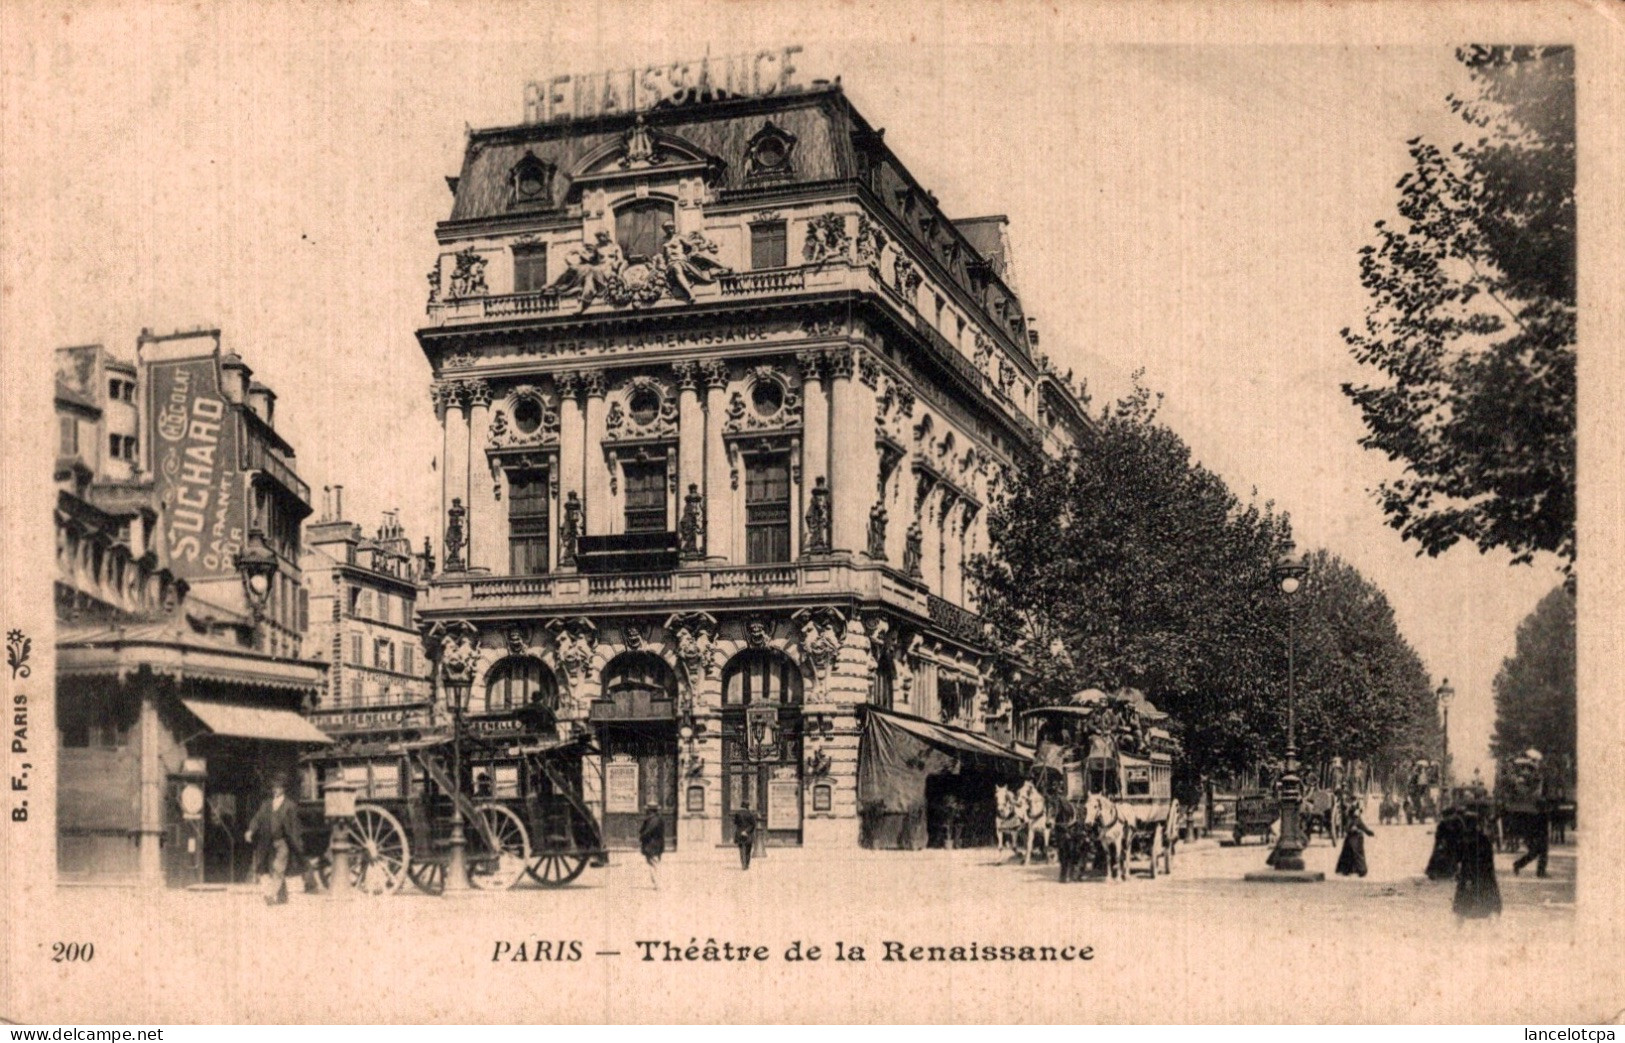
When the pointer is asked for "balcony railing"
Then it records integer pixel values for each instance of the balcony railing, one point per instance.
(759, 578)
(961, 623)
(498, 588)
(630, 583)
(776, 280)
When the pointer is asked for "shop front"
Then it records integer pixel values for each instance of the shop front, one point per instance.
(168, 741)
(923, 784)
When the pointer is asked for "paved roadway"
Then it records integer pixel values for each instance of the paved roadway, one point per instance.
(1200, 943)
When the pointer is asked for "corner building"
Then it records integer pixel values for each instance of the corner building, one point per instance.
(724, 397)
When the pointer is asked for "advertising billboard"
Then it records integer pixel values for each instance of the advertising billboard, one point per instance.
(199, 487)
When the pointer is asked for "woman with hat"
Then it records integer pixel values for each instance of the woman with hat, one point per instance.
(652, 841)
(1477, 894)
(1352, 858)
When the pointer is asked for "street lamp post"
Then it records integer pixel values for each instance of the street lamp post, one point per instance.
(1446, 693)
(256, 563)
(457, 689)
(1286, 860)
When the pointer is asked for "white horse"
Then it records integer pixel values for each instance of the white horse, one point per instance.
(1102, 816)
(1033, 811)
(1009, 819)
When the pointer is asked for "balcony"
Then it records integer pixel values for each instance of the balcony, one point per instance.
(961, 623)
(777, 280)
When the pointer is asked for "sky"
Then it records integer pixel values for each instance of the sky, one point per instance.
(1191, 210)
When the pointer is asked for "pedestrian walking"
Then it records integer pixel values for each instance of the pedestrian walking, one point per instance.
(652, 841)
(745, 825)
(1477, 894)
(1352, 858)
(1447, 839)
(274, 832)
(1536, 839)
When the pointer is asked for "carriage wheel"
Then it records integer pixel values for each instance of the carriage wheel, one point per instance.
(556, 869)
(501, 869)
(379, 853)
(428, 877)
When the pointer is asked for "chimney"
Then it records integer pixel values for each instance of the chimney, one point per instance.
(234, 374)
(1032, 333)
(338, 503)
(262, 400)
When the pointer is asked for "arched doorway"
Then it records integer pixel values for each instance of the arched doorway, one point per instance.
(638, 733)
(761, 742)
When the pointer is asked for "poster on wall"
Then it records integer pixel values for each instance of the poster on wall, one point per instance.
(621, 787)
(196, 478)
(783, 804)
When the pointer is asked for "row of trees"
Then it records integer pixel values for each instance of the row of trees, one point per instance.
(1535, 690)
(1126, 564)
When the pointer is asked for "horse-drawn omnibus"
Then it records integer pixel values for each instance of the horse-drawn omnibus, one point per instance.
(1105, 766)
(521, 805)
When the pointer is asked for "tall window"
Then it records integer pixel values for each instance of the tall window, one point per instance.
(645, 497)
(527, 522)
(517, 682)
(406, 659)
(70, 437)
(767, 509)
(529, 268)
(355, 650)
(759, 676)
(767, 245)
(637, 228)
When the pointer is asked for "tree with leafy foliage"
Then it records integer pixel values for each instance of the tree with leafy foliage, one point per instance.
(1472, 320)
(1535, 692)
(1126, 564)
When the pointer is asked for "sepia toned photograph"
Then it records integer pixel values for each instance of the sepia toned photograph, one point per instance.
(814, 513)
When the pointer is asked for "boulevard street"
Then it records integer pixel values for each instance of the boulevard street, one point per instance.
(1382, 948)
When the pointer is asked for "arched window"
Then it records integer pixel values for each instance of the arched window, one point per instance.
(761, 675)
(639, 670)
(637, 228)
(518, 682)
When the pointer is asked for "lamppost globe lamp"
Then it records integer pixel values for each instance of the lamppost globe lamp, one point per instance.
(1286, 860)
(256, 563)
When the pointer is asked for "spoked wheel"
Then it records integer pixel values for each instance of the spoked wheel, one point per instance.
(428, 877)
(556, 870)
(501, 869)
(379, 854)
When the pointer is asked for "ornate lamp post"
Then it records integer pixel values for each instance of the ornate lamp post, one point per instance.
(1286, 861)
(1445, 693)
(256, 563)
(458, 658)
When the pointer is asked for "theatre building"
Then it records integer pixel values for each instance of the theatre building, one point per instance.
(178, 682)
(725, 397)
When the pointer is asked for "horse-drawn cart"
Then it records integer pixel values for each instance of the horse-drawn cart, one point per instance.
(1105, 766)
(1256, 815)
(521, 809)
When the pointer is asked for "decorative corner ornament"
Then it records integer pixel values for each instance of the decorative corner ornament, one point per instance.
(18, 647)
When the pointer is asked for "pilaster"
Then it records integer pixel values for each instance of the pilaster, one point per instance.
(853, 458)
(719, 478)
(485, 528)
(600, 520)
(572, 448)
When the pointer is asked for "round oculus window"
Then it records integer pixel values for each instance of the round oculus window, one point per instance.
(644, 405)
(530, 185)
(770, 154)
(527, 415)
(767, 396)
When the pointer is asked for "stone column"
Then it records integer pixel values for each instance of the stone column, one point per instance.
(572, 454)
(815, 433)
(485, 511)
(600, 510)
(456, 463)
(853, 458)
(718, 486)
(149, 848)
(691, 434)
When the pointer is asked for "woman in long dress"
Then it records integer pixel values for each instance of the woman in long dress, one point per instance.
(1352, 859)
(1477, 894)
(1447, 840)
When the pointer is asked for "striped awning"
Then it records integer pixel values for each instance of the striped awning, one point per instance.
(256, 722)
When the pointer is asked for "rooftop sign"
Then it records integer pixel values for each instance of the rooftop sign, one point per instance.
(581, 95)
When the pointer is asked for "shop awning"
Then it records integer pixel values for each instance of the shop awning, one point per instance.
(948, 737)
(170, 648)
(256, 722)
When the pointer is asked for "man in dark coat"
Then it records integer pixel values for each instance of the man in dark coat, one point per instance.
(1447, 838)
(1536, 838)
(652, 841)
(745, 834)
(274, 832)
(1477, 894)
(1352, 859)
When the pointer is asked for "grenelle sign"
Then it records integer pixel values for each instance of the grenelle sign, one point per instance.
(680, 83)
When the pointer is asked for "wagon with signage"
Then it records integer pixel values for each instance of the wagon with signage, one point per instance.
(1119, 748)
(519, 800)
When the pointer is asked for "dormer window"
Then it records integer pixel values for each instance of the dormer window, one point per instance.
(531, 181)
(768, 153)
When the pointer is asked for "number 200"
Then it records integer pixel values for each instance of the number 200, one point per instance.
(72, 952)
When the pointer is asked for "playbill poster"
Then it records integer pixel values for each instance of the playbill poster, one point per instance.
(826, 512)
